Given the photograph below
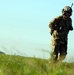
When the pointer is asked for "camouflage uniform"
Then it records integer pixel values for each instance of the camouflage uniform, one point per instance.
(59, 29)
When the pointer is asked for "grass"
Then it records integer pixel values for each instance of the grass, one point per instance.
(18, 65)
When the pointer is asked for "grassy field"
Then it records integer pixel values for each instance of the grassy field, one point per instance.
(18, 65)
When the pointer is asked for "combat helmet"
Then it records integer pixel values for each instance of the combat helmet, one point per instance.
(67, 9)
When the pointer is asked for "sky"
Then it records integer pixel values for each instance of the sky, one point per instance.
(24, 26)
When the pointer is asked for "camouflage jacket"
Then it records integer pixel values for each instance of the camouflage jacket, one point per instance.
(59, 27)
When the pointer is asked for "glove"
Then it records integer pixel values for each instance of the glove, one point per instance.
(51, 31)
(71, 28)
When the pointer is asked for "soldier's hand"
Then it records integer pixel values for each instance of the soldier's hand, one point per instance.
(50, 33)
(71, 28)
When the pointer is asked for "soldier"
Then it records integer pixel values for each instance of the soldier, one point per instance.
(59, 29)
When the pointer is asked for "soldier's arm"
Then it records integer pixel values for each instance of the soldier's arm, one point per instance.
(71, 27)
(53, 25)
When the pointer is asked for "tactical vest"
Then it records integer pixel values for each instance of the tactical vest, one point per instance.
(60, 27)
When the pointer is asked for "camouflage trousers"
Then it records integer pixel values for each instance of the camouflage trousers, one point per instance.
(59, 49)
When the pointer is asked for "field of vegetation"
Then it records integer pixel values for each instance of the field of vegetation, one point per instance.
(19, 65)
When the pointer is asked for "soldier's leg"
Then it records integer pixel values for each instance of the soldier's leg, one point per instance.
(55, 52)
(63, 52)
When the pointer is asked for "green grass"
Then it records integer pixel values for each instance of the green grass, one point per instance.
(18, 65)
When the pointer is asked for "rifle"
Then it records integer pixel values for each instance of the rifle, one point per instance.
(71, 5)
